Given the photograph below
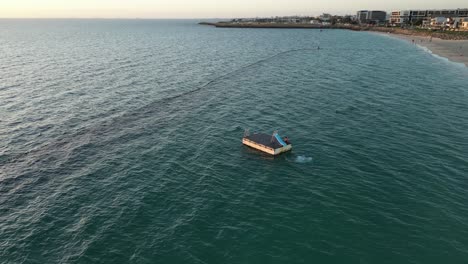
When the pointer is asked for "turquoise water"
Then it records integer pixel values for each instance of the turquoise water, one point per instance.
(120, 143)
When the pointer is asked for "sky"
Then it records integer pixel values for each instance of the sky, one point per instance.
(205, 8)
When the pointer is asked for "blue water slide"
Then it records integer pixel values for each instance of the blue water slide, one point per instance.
(280, 140)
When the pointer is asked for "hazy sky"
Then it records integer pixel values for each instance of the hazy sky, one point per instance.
(204, 8)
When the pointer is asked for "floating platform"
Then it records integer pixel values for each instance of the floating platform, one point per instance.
(271, 144)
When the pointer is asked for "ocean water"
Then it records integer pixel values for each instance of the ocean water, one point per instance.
(120, 142)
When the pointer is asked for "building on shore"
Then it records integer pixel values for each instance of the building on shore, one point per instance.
(315, 22)
(400, 17)
(455, 22)
(371, 16)
(274, 20)
(464, 25)
(323, 20)
(325, 17)
(424, 17)
(437, 22)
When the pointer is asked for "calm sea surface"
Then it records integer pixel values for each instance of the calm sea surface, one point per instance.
(120, 142)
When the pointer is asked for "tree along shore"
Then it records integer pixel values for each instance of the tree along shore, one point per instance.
(442, 34)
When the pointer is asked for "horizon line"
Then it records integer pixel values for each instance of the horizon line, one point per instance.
(123, 18)
(167, 18)
(194, 18)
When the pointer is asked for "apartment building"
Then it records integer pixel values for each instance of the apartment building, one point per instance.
(371, 16)
(400, 17)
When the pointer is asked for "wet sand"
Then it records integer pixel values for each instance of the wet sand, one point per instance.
(454, 50)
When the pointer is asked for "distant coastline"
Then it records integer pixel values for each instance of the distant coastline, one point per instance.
(275, 25)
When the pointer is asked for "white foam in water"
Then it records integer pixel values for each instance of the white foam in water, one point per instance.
(460, 64)
(303, 159)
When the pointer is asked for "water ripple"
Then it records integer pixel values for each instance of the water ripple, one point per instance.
(122, 144)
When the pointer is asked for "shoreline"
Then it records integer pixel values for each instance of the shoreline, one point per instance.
(453, 50)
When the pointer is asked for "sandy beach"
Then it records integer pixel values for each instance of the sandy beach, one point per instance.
(454, 50)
